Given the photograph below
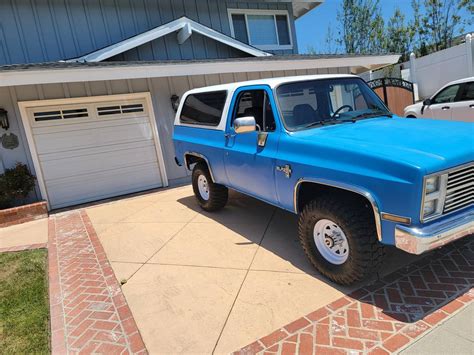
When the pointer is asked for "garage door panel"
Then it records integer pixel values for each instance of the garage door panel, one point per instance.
(103, 185)
(94, 148)
(71, 140)
(66, 154)
(79, 124)
(65, 167)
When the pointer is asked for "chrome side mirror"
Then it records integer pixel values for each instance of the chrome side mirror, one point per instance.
(245, 125)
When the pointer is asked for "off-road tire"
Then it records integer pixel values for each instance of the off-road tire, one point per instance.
(218, 194)
(357, 222)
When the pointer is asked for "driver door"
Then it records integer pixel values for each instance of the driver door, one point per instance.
(250, 157)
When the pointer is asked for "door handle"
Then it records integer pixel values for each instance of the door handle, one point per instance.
(471, 105)
(445, 108)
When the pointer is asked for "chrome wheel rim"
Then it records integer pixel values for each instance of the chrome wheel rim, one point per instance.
(203, 187)
(331, 241)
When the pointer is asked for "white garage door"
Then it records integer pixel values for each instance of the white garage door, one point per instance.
(90, 150)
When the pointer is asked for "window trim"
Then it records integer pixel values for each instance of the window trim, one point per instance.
(274, 13)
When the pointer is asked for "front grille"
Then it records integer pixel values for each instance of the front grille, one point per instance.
(459, 189)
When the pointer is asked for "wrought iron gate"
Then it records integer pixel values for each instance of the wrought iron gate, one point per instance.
(396, 93)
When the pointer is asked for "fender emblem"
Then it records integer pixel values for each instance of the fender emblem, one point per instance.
(285, 169)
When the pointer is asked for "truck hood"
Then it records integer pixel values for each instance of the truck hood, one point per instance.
(429, 145)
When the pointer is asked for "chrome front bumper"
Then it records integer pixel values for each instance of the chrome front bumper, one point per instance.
(419, 240)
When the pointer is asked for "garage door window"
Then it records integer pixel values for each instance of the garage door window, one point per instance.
(60, 114)
(119, 109)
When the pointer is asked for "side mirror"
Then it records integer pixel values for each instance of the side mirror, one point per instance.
(245, 125)
(426, 102)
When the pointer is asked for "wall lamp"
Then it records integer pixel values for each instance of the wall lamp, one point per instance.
(4, 119)
(175, 102)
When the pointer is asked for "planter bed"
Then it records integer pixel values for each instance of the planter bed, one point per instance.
(22, 214)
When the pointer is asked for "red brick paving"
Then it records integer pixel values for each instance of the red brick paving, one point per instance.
(89, 313)
(24, 247)
(384, 317)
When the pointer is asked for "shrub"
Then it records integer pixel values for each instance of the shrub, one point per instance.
(15, 183)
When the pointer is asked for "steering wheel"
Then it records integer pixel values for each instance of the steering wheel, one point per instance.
(341, 108)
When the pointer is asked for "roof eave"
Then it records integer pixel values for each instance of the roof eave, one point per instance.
(86, 73)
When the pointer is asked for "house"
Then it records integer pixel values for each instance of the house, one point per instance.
(89, 86)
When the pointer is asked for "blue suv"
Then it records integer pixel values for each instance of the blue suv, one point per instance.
(327, 148)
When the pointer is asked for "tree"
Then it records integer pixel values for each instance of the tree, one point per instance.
(362, 26)
(398, 38)
(441, 21)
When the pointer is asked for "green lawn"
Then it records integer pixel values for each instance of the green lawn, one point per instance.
(24, 309)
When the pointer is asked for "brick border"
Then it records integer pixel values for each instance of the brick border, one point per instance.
(23, 214)
(24, 247)
(384, 317)
(89, 312)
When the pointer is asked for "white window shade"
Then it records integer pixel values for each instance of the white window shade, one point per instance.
(262, 30)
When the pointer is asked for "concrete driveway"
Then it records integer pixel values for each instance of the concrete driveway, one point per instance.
(201, 282)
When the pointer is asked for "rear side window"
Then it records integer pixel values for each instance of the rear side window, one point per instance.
(203, 108)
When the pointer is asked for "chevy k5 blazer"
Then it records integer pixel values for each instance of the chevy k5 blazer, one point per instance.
(328, 149)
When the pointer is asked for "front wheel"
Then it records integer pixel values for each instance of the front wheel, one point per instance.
(339, 238)
(210, 196)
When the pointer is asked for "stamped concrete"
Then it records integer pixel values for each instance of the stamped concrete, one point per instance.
(35, 232)
(210, 282)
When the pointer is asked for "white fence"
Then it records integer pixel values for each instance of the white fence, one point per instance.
(431, 72)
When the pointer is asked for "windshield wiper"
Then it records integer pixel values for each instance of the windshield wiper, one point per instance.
(368, 115)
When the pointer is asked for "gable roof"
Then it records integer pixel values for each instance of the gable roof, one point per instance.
(184, 26)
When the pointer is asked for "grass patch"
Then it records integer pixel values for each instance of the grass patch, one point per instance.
(24, 309)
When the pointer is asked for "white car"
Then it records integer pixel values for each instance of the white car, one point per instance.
(455, 101)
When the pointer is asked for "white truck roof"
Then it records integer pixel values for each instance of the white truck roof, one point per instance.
(272, 82)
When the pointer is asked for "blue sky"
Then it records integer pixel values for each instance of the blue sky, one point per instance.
(311, 28)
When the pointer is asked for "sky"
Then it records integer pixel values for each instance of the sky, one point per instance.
(311, 29)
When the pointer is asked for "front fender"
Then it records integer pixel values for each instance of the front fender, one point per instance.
(369, 196)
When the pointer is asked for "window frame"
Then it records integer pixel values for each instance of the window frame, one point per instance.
(274, 13)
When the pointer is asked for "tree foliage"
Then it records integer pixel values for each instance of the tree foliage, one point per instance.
(362, 26)
(433, 26)
(440, 21)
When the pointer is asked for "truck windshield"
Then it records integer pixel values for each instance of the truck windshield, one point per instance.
(306, 104)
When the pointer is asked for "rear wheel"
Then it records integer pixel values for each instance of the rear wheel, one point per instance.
(210, 196)
(339, 238)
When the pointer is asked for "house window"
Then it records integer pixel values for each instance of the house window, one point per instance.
(264, 29)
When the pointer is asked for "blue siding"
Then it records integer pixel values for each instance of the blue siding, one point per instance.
(51, 30)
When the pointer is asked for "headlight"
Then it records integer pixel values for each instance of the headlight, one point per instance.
(429, 208)
(434, 193)
(431, 184)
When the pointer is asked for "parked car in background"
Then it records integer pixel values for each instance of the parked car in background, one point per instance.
(455, 101)
(327, 149)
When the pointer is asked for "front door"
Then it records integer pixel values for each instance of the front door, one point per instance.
(250, 157)
(442, 104)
